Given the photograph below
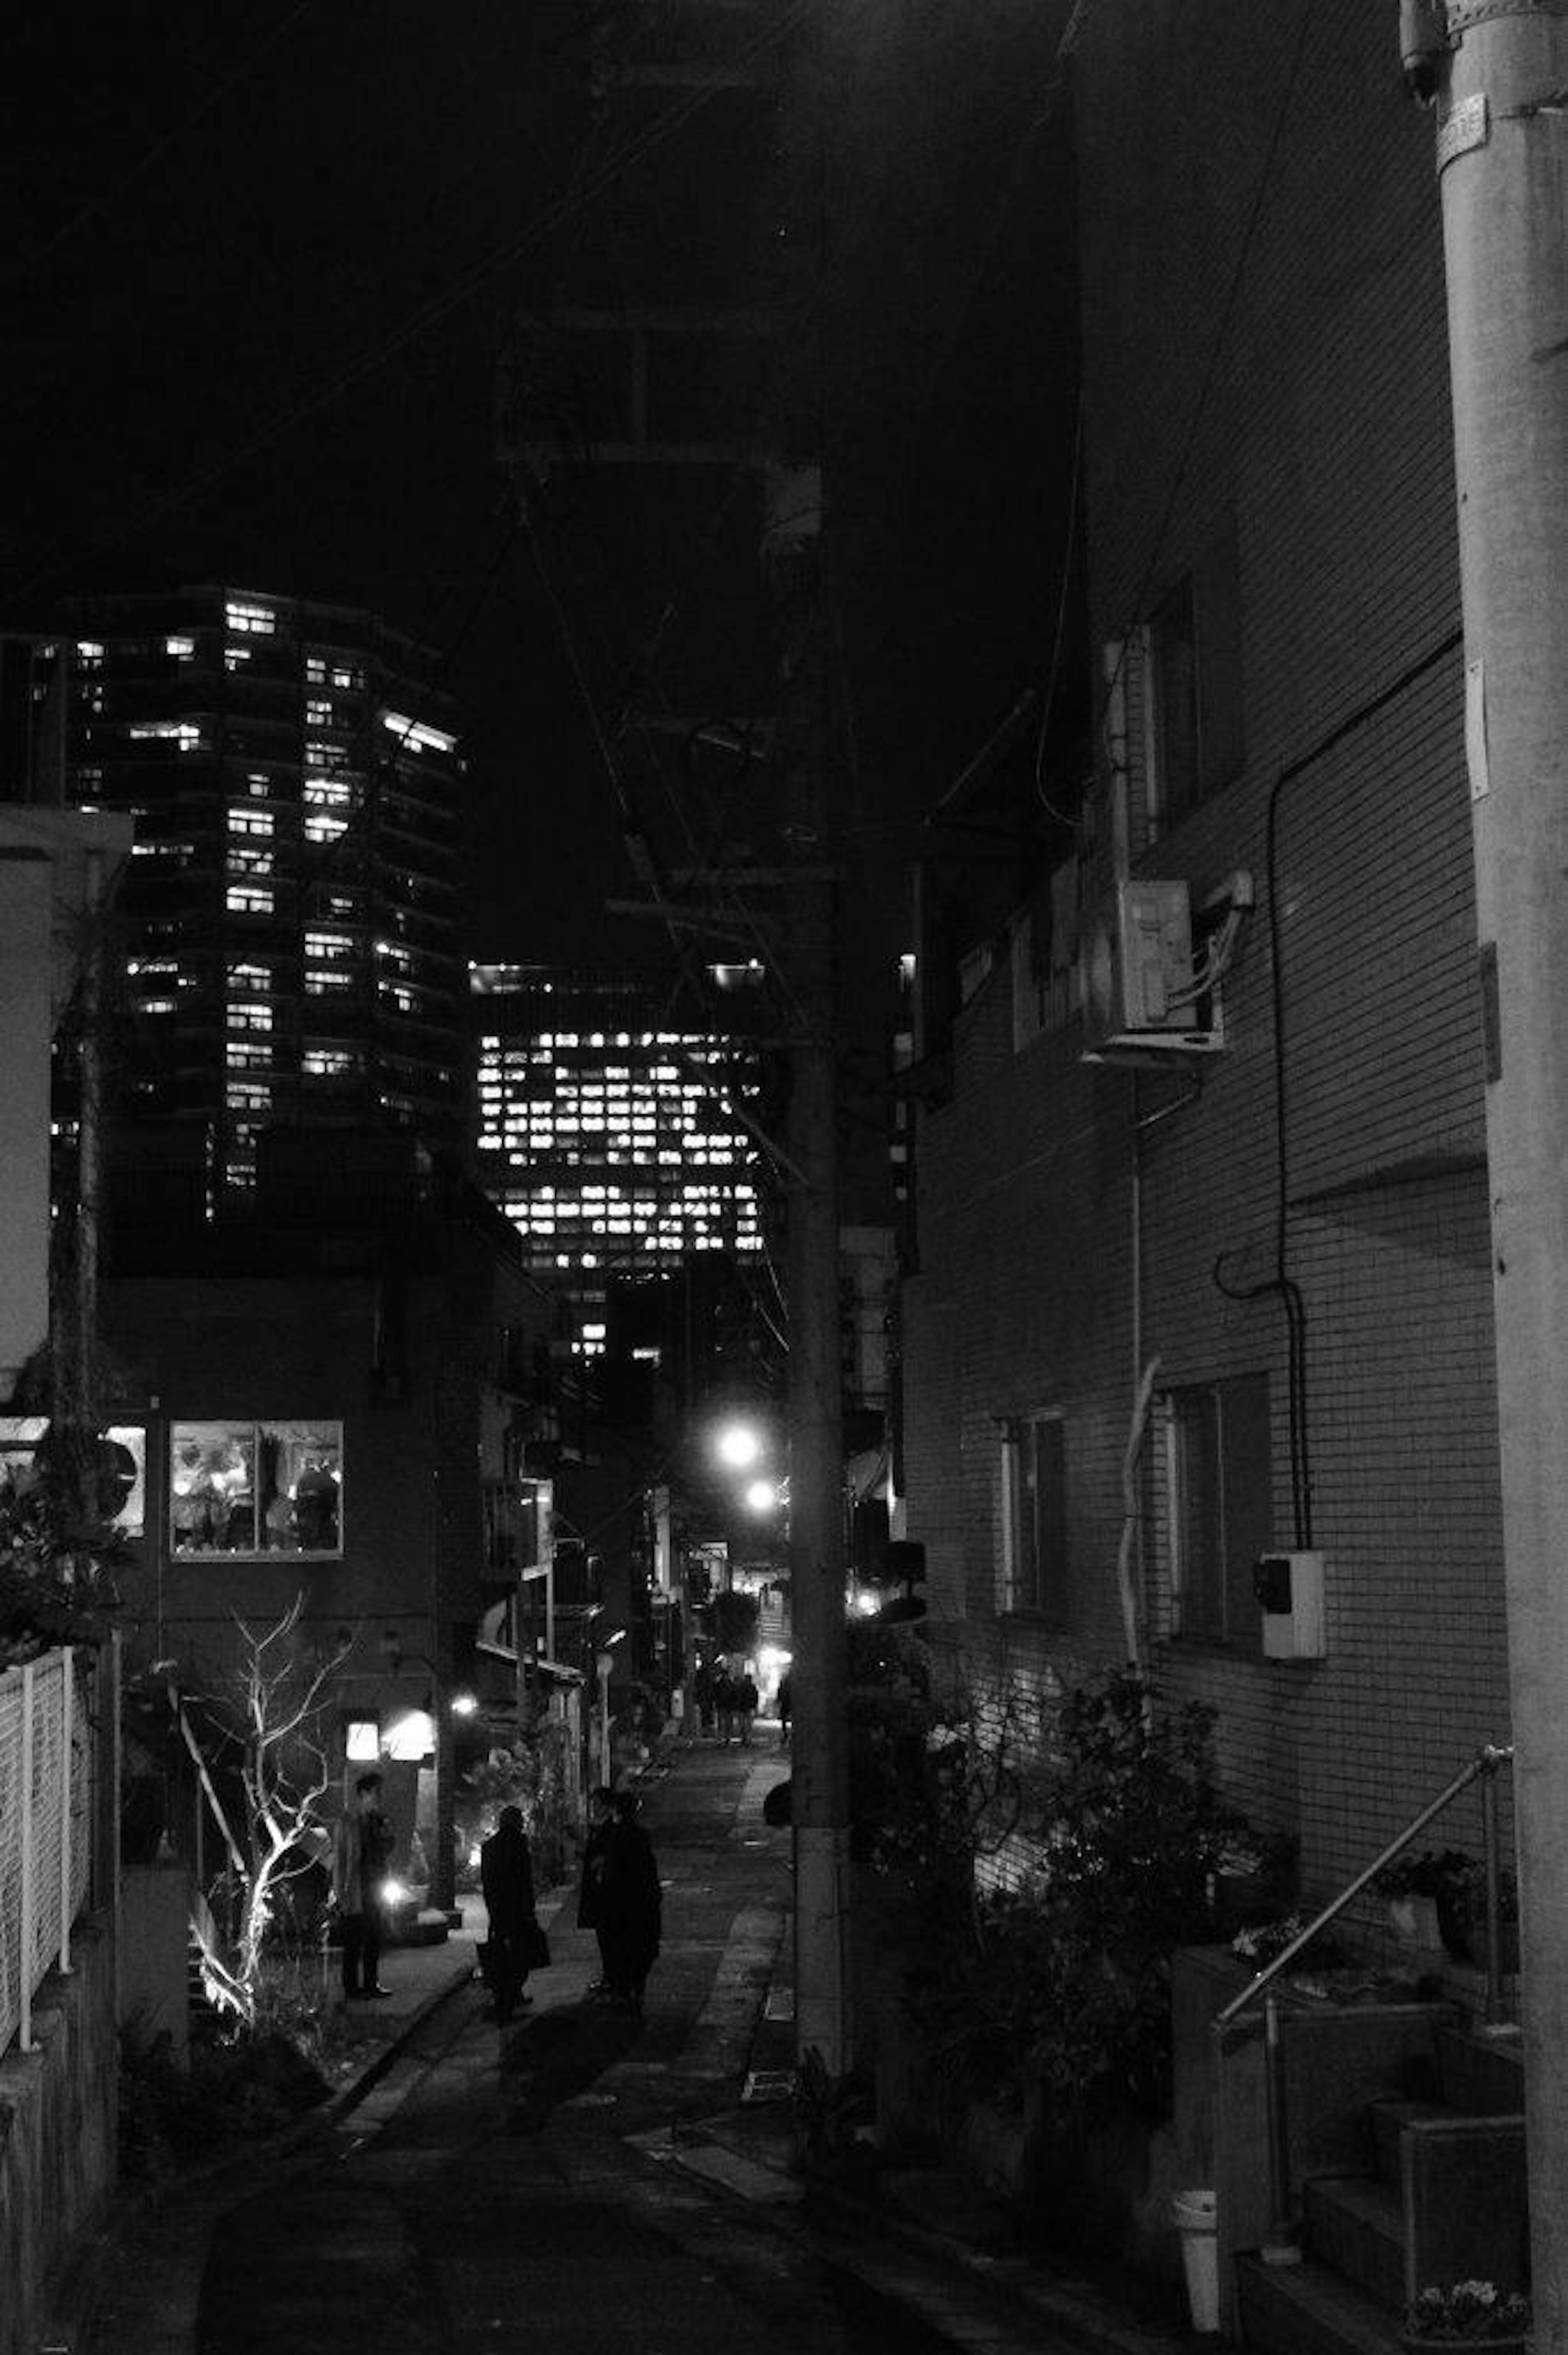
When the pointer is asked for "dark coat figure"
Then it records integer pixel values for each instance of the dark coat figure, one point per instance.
(783, 1707)
(725, 1704)
(746, 1700)
(506, 1881)
(362, 1850)
(631, 1904)
(601, 1816)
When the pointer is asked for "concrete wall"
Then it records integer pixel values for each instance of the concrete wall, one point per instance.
(57, 2123)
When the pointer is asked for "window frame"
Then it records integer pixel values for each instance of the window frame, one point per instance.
(1034, 1554)
(1218, 1607)
(1197, 733)
(192, 1437)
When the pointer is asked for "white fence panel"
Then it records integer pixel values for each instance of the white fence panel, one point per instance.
(46, 1825)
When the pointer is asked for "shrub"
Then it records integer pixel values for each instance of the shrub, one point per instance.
(1065, 1988)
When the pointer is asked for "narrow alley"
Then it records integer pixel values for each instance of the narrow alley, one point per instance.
(577, 2179)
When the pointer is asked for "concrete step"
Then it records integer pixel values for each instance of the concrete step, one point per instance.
(1307, 2310)
(1481, 2073)
(1388, 2121)
(1355, 2225)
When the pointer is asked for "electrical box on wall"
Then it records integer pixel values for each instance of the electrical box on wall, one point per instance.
(1290, 1590)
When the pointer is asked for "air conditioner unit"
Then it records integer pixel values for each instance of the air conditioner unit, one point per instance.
(1140, 1004)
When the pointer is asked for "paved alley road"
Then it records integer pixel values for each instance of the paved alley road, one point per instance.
(517, 2188)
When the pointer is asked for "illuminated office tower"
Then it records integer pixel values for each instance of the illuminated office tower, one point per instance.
(290, 924)
(613, 1137)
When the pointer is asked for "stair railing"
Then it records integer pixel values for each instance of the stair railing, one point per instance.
(1283, 2246)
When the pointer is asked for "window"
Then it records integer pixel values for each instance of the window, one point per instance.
(1219, 1505)
(119, 1489)
(257, 621)
(1194, 660)
(256, 1488)
(1034, 1510)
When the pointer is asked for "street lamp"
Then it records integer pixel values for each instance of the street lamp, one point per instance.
(738, 1445)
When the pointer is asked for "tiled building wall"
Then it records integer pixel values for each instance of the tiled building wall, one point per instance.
(1264, 341)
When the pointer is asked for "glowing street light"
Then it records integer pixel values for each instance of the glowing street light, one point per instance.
(760, 1495)
(738, 1444)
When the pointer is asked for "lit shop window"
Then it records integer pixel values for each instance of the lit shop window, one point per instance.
(249, 1096)
(331, 793)
(240, 1056)
(318, 711)
(246, 820)
(329, 1062)
(250, 1014)
(322, 828)
(256, 1488)
(249, 899)
(119, 1472)
(88, 654)
(183, 649)
(236, 657)
(321, 980)
(156, 1006)
(242, 861)
(250, 976)
(328, 944)
(251, 621)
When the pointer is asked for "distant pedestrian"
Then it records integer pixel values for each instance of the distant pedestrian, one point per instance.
(360, 1852)
(783, 1707)
(601, 1816)
(506, 1884)
(723, 1703)
(702, 1694)
(631, 1904)
(746, 1700)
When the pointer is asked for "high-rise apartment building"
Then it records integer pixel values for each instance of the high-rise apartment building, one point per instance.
(290, 924)
(616, 1138)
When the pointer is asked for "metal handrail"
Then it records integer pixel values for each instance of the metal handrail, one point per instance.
(1282, 2247)
(1486, 1761)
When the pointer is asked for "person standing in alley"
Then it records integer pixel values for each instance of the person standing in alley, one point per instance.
(601, 1816)
(361, 1851)
(783, 1706)
(746, 1700)
(506, 1884)
(631, 1905)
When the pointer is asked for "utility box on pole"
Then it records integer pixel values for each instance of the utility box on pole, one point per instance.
(1498, 70)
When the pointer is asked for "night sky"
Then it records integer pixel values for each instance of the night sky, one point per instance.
(258, 266)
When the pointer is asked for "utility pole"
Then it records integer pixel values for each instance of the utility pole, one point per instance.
(820, 1737)
(1498, 70)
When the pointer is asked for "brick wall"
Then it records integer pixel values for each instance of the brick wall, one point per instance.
(1264, 340)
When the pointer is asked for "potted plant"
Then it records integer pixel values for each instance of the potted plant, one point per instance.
(1469, 2314)
(1417, 1887)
